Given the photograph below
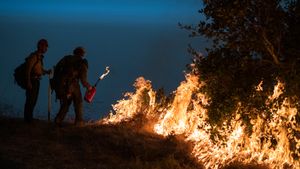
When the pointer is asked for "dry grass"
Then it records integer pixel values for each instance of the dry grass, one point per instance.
(44, 146)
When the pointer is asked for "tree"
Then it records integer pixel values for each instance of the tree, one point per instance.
(253, 40)
(254, 28)
(292, 39)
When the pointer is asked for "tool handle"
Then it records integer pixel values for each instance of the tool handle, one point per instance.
(96, 83)
(49, 97)
(102, 76)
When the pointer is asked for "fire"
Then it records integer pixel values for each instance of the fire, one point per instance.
(135, 103)
(273, 141)
(176, 118)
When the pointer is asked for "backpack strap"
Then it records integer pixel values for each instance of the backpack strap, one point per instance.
(36, 62)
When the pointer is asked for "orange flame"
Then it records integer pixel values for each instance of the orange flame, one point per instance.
(269, 143)
(127, 108)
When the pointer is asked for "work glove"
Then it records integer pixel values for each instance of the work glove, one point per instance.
(89, 88)
(49, 71)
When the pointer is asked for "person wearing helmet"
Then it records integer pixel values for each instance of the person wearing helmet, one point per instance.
(33, 72)
(67, 73)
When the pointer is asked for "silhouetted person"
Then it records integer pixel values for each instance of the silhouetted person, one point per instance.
(34, 71)
(68, 72)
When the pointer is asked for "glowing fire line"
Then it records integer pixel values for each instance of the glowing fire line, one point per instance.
(269, 143)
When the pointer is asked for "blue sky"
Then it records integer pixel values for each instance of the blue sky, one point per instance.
(154, 11)
(134, 37)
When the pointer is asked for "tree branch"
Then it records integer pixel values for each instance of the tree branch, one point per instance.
(270, 48)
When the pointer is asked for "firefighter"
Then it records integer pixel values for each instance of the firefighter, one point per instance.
(67, 73)
(33, 72)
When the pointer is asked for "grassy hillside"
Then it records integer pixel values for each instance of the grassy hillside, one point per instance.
(43, 146)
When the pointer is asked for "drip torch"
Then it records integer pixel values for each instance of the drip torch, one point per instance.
(89, 94)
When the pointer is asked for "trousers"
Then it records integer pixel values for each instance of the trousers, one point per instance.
(31, 99)
(74, 97)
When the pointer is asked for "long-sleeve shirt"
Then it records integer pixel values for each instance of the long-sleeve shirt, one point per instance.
(83, 74)
(34, 66)
(72, 68)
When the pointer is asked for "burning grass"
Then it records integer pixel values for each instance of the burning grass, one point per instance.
(269, 138)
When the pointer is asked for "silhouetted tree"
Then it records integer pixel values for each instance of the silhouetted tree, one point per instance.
(292, 39)
(252, 40)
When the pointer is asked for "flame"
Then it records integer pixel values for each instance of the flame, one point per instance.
(259, 86)
(126, 109)
(176, 117)
(273, 141)
(278, 90)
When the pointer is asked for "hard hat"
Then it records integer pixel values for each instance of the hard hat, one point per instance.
(79, 51)
(42, 42)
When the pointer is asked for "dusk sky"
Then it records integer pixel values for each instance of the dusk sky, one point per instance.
(135, 38)
(128, 11)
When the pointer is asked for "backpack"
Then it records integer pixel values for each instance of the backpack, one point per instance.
(64, 68)
(20, 76)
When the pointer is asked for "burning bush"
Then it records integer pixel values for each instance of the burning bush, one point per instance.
(268, 136)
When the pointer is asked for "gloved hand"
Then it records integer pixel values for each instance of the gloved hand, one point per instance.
(49, 71)
(89, 88)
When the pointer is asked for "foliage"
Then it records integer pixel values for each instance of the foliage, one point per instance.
(253, 41)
